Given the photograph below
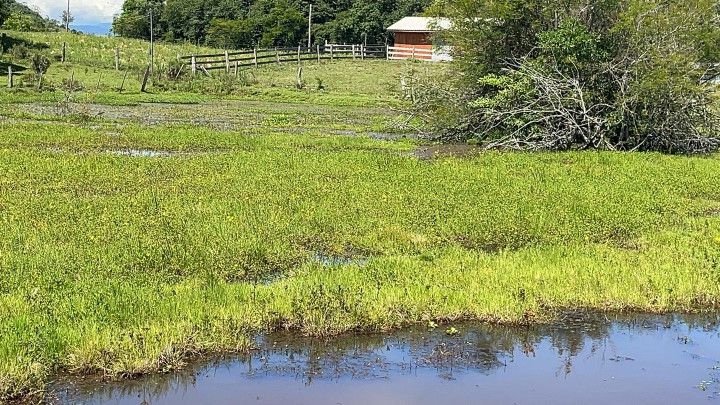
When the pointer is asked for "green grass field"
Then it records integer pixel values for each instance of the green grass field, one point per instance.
(90, 62)
(136, 236)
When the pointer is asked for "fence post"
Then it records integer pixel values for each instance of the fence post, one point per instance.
(387, 52)
(255, 62)
(318, 52)
(117, 58)
(227, 62)
(353, 51)
(193, 65)
(298, 55)
(277, 55)
(146, 76)
(413, 54)
(332, 53)
(64, 50)
(122, 86)
(236, 68)
(362, 52)
(10, 77)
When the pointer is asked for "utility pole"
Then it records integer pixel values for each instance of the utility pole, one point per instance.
(67, 17)
(309, 27)
(152, 41)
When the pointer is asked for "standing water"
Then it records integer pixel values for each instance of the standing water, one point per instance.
(589, 360)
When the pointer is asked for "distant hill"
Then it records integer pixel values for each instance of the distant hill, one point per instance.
(23, 18)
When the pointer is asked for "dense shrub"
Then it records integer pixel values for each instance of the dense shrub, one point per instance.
(581, 74)
(40, 63)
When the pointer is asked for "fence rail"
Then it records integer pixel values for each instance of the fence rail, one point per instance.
(400, 53)
(232, 61)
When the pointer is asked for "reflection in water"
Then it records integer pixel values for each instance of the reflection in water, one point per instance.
(627, 354)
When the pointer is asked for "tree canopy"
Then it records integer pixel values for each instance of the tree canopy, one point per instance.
(16, 16)
(248, 23)
(4, 11)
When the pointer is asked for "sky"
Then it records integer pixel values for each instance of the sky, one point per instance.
(84, 11)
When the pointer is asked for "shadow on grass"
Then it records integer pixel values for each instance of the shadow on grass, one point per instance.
(9, 42)
(15, 67)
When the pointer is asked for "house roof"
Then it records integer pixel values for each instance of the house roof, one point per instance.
(420, 24)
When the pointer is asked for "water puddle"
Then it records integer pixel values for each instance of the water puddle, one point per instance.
(596, 360)
(143, 153)
(335, 261)
(458, 150)
(226, 115)
(384, 136)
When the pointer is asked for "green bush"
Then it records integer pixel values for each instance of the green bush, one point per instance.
(40, 64)
(558, 75)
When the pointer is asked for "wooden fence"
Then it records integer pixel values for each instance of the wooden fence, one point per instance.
(401, 53)
(232, 61)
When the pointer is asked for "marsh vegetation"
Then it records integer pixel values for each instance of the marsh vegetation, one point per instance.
(274, 208)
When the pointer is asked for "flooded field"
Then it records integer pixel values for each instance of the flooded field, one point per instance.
(223, 115)
(589, 360)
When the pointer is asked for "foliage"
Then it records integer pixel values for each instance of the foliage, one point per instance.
(618, 75)
(4, 11)
(22, 22)
(20, 17)
(134, 20)
(353, 25)
(39, 63)
(176, 70)
(244, 24)
(67, 18)
(230, 34)
(281, 23)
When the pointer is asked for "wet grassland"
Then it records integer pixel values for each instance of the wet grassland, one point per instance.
(136, 236)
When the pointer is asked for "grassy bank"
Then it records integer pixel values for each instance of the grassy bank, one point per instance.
(122, 265)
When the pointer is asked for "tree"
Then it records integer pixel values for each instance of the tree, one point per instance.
(367, 20)
(362, 21)
(23, 22)
(19, 17)
(580, 74)
(4, 11)
(268, 22)
(277, 23)
(134, 19)
(230, 34)
(67, 18)
(186, 20)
